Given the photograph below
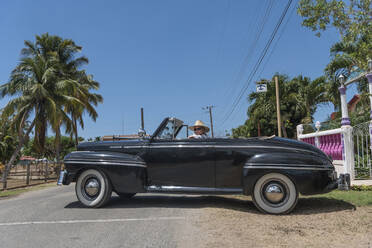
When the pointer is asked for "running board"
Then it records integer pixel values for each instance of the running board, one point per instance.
(192, 190)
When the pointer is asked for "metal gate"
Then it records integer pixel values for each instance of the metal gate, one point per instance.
(362, 148)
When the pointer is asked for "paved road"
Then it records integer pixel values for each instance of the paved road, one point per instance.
(53, 217)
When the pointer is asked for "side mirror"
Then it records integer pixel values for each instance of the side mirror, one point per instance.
(142, 133)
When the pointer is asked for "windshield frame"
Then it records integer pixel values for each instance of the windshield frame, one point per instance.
(178, 124)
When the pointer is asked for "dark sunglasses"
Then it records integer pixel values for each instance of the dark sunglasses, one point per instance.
(198, 128)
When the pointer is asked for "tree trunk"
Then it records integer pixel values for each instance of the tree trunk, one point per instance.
(75, 132)
(58, 147)
(284, 131)
(22, 141)
(9, 164)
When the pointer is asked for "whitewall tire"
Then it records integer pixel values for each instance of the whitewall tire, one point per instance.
(275, 193)
(93, 188)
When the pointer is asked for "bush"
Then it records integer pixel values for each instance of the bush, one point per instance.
(361, 187)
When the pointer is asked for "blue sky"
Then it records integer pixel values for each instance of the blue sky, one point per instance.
(170, 57)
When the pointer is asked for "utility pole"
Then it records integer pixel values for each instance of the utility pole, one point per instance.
(142, 120)
(122, 127)
(141, 131)
(209, 108)
(278, 106)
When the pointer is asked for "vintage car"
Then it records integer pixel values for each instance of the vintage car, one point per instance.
(272, 170)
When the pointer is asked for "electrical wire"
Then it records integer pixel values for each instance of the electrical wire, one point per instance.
(251, 49)
(258, 63)
(277, 41)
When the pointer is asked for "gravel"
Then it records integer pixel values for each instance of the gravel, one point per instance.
(315, 222)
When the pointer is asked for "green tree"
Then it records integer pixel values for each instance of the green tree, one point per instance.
(68, 67)
(299, 98)
(342, 63)
(349, 56)
(43, 86)
(351, 18)
(8, 141)
(89, 100)
(307, 95)
(67, 145)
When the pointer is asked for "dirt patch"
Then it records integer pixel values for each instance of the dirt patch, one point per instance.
(315, 222)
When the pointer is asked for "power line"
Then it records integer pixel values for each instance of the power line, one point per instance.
(258, 63)
(277, 40)
(251, 49)
(256, 38)
(280, 33)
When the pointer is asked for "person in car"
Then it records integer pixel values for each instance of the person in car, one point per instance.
(200, 130)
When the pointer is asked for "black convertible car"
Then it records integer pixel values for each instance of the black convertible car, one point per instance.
(272, 170)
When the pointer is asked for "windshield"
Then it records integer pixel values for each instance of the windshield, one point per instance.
(170, 129)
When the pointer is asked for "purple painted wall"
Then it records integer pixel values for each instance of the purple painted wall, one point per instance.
(330, 144)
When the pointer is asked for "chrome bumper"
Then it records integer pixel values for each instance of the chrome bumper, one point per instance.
(341, 183)
(62, 176)
(344, 182)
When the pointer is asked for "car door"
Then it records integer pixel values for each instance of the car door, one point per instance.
(184, 162)
(229, 163)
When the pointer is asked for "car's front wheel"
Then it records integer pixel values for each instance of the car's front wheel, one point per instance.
(275, 193)
(93, 188)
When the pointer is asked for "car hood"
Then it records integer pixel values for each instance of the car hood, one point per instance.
(291, 143)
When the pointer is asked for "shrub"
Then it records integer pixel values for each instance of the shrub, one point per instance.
(361, 187)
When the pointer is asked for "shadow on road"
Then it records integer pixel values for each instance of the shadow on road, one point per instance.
(304, 206)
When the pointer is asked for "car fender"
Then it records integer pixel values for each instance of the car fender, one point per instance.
(126, 172)
(310, 173)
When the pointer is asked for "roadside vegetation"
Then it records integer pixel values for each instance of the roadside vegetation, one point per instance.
(300, 96)
(48, 89)
(355, 197)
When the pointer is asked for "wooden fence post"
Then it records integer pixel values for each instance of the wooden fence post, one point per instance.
(28, 173)
(46, 172)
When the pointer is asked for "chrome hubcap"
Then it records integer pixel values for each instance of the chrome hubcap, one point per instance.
(92, 187)
(274, 193)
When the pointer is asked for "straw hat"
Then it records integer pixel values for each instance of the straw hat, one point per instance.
(199, 123)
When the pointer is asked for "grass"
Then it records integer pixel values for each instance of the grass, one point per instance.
(357, 198)
(15, 192)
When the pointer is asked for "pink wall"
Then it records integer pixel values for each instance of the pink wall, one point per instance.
(329, 144)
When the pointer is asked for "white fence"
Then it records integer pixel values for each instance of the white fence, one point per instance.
(336, 143)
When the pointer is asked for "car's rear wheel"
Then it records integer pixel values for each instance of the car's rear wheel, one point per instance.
(126, 195)
(93, 188)
(275, 193)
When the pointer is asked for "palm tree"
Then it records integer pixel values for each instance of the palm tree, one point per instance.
(309, 94)
(44, 84)
(7, 141)
(347, 60)
(40, 95)
(263, 110)
(299, 99)
(89, 100)
(64, 50)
